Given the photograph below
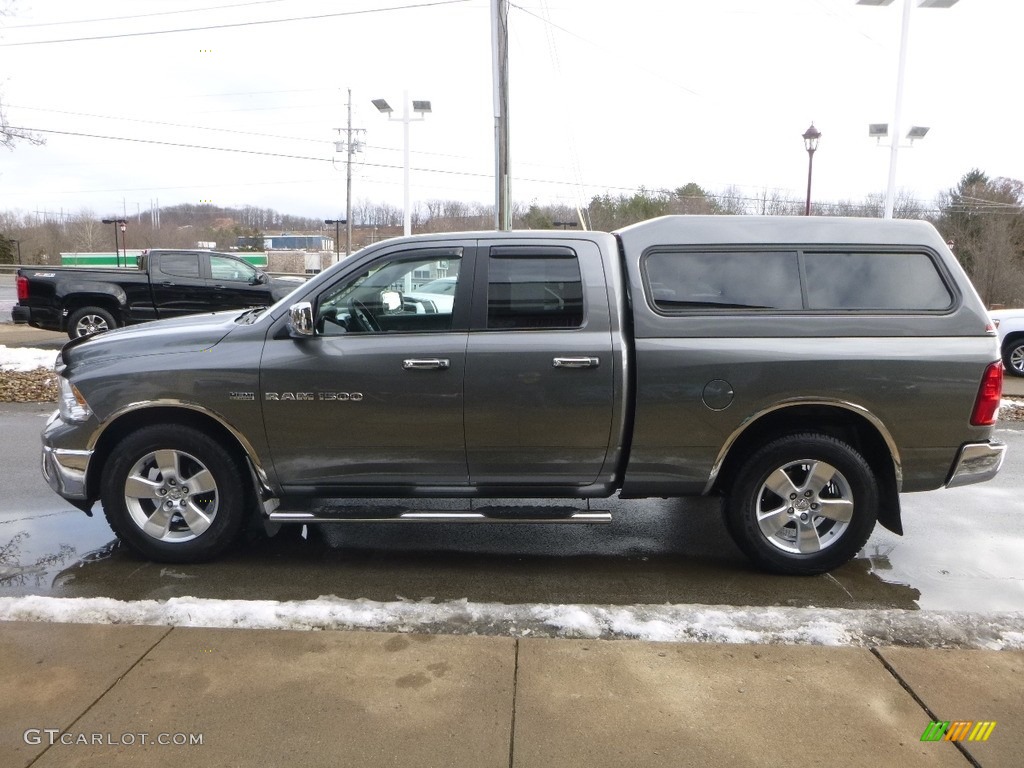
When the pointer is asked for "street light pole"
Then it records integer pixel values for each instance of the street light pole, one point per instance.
(337, 233)
(421, 108)
(811, 136)
(890, 190)
(118, 223)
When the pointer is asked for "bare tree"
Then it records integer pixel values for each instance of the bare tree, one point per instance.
(87, 233)
(9, 134)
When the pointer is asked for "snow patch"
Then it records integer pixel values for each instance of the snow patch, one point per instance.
(656, 623)
(27, 359)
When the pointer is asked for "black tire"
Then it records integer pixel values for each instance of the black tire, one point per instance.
(173, 494)
(775, 509)
(89, 320)
(1013, 356)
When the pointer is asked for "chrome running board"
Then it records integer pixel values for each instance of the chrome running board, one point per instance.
(514, 515)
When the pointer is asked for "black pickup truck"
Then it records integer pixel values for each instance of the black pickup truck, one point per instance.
(167, 283)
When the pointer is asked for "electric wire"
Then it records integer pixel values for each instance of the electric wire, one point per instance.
(142, 15)
(238, 24)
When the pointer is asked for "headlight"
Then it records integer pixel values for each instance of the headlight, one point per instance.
(72, 404)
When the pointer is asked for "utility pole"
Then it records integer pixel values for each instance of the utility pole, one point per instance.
(499, 51)
(348, 181)
(351, 147)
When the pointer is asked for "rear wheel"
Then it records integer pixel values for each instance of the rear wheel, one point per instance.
(803, 504)
(173, 494)
(89, 320)
(1013, 356)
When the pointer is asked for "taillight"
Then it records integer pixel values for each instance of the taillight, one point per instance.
(986, 405)
(22, 288)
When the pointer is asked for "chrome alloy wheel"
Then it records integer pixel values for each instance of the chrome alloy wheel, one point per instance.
(171, 496)
(90, 324)
(804, 506)
(1016, 359)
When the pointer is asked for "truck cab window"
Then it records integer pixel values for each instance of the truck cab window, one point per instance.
(180, 264)
(222, 268)
(399, 295)
(534, 291)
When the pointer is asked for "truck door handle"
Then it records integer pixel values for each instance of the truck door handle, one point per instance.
(167, 284)
(576, 362)
(427, 364)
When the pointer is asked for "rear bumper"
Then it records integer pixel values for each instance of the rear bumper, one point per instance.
(976, 463)
(37, 317)
(21, 315)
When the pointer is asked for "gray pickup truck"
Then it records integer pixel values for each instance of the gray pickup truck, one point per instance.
(808, 370)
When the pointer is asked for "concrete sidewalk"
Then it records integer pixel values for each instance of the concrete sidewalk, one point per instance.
(12, 335)
(360, 699)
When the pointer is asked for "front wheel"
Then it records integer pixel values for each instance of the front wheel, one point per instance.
(1013, 357)
(173, 494)
(803, 504)
(89, 320)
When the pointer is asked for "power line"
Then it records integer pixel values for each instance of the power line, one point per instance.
(235, 131)
(142, 15)
(168, 125)
(284, 155)
(318, 17)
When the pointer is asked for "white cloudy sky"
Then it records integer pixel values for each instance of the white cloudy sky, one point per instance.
(606, 97)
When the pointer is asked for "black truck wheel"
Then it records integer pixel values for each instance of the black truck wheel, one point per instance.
(803, 504)
(174, 494)
(90, 320)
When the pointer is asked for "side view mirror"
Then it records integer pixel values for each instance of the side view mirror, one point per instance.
(391, 300)
(300, 324)
(261, 279)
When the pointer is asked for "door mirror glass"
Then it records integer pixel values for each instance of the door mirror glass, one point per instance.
(391, 300)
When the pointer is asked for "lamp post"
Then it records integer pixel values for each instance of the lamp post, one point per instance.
(811, 136)
(118, 223)
(337, 234)
(890, 190)
(421, 108)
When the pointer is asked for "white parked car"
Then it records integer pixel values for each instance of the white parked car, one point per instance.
(1010, 325)
(436, 296)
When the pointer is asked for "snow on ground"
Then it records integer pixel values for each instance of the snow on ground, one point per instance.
(658, 623)
(28, 359)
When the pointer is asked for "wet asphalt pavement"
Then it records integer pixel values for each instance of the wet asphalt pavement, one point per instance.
(963, 550)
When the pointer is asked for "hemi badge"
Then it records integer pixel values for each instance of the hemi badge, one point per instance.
(241, 395)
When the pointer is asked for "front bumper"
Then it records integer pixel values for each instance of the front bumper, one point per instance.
(64, 468)
(976, 463)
